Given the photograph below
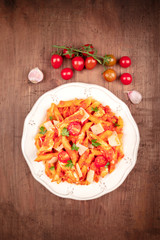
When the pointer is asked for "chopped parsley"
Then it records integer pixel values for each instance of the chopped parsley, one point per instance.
(95, 143)
(74, 147)
(69, 164)
(50, 117)
(108, 163)
(116, 124)
(95, 109)
(42, 130)
(52, 168)
(65, 132)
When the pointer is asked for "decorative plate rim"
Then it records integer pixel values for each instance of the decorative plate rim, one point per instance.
(115, 98)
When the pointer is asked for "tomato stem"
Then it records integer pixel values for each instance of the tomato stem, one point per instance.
(96, 57)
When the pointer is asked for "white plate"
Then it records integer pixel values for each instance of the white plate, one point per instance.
(131, 141)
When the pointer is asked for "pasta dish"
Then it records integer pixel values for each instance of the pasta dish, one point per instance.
(80, 141)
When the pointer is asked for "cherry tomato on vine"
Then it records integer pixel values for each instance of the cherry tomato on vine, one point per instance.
(100, 161)
(56, 60)
(125, 61)
(74, 128)
(109, 60)
(87, 48)
(67, 73)
(68, 53)
(126, 78)
(109, 75)
(78, 63)
(90, 63)
(63, 157)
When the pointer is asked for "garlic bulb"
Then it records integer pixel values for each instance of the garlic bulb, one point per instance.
(35, 75)
(134, 96)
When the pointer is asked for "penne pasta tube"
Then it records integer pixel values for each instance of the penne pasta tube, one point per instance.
(83, 157)
(105, 134)
(73, 154)
(57, 114)
(85, 128)
(45, 157)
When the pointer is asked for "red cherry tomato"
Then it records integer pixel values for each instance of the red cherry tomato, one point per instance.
(67, 73)
(56, 60)
(68, 53)
(63, 157)
(126, 78)
(100, 161)
(90, 63)
(88, 48)
(125, 61)
(78, 63)
(74, 128)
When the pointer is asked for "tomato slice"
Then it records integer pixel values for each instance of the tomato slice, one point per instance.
(74, 128)
(100, 161)
(63, 157)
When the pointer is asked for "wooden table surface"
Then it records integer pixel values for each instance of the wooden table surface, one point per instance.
(28, 29)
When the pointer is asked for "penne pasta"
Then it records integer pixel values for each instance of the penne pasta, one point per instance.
(45, 157)
(80, 141)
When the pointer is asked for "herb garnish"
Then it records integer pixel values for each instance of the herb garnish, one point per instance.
(108, 163)
(74, 147)
(65, 132)
(69, 164)
(52, 168)
(42, 130)
(50, 117)
(116, 124)
(95, 109)
(95, 143)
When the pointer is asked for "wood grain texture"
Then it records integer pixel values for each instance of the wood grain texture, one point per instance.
(28, 29)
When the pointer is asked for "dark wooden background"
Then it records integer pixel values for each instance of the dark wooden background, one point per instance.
(28, 29)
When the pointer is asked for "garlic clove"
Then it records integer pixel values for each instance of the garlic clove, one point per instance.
(35, 75)
(135, 96)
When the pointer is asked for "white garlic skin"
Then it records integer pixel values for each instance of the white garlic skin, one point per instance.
(35, 75)
(135, 97)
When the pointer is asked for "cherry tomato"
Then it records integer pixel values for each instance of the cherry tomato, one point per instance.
(63, 157)
(126, 78)
(90, 63)
(74, 128)
(100, 161)
(125, 61)
(67, 73)
(56, 60)
(68, 53)
(88, 48)
(109, 75)
(109, 60)
(78, 63)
